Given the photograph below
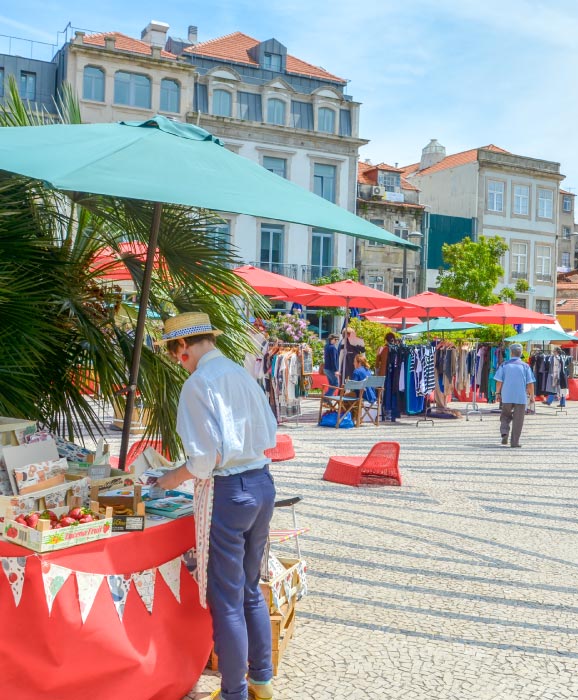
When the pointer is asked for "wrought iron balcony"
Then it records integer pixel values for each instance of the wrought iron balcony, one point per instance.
(286, 269)
(518, 275)
(311, 273)
(543, 277)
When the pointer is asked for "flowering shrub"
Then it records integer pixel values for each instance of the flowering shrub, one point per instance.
(289, 328)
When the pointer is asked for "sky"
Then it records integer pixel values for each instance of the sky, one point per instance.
(466, 72)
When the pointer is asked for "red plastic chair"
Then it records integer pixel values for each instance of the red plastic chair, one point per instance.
(137, 449)
(283, 449)
(379, 467)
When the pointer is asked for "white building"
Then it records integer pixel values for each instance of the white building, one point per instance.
(506, 195)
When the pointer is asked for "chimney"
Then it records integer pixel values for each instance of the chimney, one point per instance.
(110, 42)
(432, 154)
(193, 35)
(155, 33)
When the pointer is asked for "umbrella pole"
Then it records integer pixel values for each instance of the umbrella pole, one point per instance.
(139, 333)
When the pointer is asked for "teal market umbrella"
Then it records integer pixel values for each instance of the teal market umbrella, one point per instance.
(441, 325)
(542, 334)
(164, 161)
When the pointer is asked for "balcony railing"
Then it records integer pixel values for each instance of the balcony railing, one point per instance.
(516, 275)
(543, 277)
(286, 269)
(311, 273)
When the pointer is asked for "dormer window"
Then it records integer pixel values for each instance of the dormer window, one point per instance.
(272, 61)
(391, 181)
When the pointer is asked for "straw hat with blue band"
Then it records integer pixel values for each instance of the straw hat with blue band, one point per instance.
(187, 325)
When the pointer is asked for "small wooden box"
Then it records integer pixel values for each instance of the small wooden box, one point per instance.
(284, 587)
(123, 521)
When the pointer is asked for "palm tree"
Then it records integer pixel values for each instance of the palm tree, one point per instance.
(63, 326)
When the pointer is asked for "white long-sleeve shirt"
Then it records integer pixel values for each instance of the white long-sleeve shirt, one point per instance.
(224, 417)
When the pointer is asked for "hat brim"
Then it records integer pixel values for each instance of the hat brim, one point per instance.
(187, 334)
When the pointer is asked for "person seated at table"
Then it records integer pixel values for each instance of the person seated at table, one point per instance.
(360, 372)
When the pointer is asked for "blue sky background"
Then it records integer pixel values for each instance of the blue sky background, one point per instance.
(466, 72)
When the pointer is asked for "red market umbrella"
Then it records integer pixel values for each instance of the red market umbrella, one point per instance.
(115, 265)
(394, 320)
(270, 284)
(505, 313)
(350, 293)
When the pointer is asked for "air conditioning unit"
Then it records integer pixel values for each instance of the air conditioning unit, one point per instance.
(378, 190)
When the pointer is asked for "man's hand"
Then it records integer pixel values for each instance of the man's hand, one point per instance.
(174, 478)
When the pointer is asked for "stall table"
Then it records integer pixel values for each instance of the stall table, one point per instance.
(148, 656)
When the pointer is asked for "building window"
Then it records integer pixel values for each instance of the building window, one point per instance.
(543, 263)
(391, 181)
(397, 286)
(170, 96)
(275, 165)
(521, 200)
(543, 306)
(220, 235)
(271, 246)
(249, 106)
(566, 232)
(545, 203)
(401, 233)
(321, 254)
(519, 261)
(27, 85)
(1, 82)
(326, 120)
(276, 112)
(375, 282)
(495, 195)
(93, 84)
(380, 223)
(567, 203)
(222, 103)
(324, 181)
(132, 89)
(520, 301)
(566, 259)
(201, 98)
(344, 122)
(301, 115)
(272, 61)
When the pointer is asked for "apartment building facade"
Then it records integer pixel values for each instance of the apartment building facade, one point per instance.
(388, 200)
(507, 195)
(567, 254)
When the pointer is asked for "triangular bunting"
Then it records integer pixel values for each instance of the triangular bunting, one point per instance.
(119, 587)
(14, 568)
(53, 577)
(88, 585)
(171, 573)
(144, 582)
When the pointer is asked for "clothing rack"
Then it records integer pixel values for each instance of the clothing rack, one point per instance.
(475, 409)
(425, 419)
(290, 411)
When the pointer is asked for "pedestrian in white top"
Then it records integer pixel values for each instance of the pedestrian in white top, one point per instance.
(225, 424)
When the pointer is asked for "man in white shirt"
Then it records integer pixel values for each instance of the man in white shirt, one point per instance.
(225, 424)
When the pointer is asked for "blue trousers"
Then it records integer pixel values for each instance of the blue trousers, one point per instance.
(242, 509)
(332, 381)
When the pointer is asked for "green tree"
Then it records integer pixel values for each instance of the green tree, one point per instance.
(474, 269)
(62, 325)
(336, 276)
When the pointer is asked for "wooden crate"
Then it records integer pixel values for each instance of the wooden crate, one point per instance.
(275, 593)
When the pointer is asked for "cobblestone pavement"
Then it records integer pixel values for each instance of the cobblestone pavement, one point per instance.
(461, 584)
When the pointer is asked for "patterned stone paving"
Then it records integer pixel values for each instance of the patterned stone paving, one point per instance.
(462, 584)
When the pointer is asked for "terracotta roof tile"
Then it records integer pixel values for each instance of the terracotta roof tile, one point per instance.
(569, 306)
(452, 161)
(235, 47)
(367, 175)
(406, 185)
(572, 194)
(124, 43)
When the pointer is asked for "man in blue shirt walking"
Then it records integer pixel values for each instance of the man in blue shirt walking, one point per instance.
(514, 386)
(331, 363)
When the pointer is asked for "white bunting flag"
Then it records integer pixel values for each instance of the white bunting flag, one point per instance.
(88, 585)
(53, 577)
(119, 585)
(171, 573)
(144, 582)
(14, 568)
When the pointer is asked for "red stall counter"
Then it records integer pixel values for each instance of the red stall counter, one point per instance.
(157, 655)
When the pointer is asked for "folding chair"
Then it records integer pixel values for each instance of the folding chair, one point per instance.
(367, 407)
(341, 403)
(278, 536)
